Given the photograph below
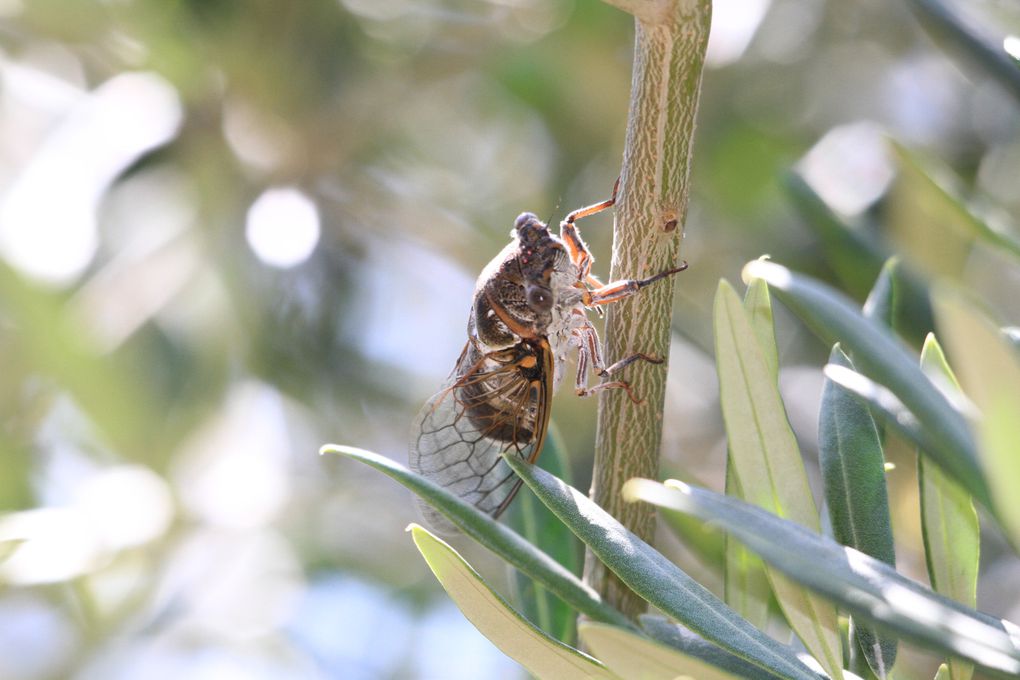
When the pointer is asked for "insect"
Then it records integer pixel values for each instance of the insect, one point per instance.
(529, 308)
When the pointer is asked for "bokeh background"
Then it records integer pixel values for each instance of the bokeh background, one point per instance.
(233, 231)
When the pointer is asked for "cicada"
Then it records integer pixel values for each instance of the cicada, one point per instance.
(529, 309)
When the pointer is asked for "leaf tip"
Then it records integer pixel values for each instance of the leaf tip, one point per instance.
(772, 273)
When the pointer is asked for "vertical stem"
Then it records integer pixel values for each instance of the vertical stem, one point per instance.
(670, 42)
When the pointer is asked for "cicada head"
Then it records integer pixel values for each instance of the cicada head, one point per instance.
(515, 295)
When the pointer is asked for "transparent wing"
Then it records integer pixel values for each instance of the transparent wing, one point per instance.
(493, 403)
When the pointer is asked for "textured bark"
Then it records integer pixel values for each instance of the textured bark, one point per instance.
(669, 53)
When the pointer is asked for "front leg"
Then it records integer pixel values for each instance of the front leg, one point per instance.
(578, 249)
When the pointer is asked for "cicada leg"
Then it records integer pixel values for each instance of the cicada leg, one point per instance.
(589, 356)
(618, 290)
(578, 249)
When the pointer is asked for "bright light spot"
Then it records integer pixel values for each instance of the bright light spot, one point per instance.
(111, 509)
(678, 485)
(849, 167)
(734, 23)
(233, 472)
(283, 227)
(48, 217)
(127, 505)
(1012, 46)
(60, 544)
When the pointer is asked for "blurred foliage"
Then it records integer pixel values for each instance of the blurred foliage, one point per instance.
(163, 388)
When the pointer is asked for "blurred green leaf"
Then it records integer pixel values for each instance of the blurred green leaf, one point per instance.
(857, 582)
(949, 522)
(946, 26)
(515, 636)
(858, 257)
(853, 473)
(632, 656)
(989, 371)
(880, 356)
(768, 465)
(50, 344)
(926, 201)
(691, 644)
(943, 673)
(541, 528)
(853, 253)
(649, 574)
(494, 536)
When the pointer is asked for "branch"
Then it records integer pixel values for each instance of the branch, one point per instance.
(670, 41)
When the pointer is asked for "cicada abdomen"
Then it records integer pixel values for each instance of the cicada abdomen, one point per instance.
(494, 403)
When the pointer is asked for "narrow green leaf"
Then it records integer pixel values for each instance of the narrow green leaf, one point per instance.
(758, 305)
(881, 307)
(496, 537)
(515, 636)
(857, 582)
(879, 356)
(853, 473)
(649, 574)
(768, 465)
(746, 585)
(692, 644)
(675, 635)
(881, 401)
(943, 673)
(990, 373)
(540, 528)
(949, 522)
(632, 656)
(881, 303)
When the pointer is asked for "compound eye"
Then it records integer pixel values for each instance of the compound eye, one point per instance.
(524, 218)
(540, 299)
